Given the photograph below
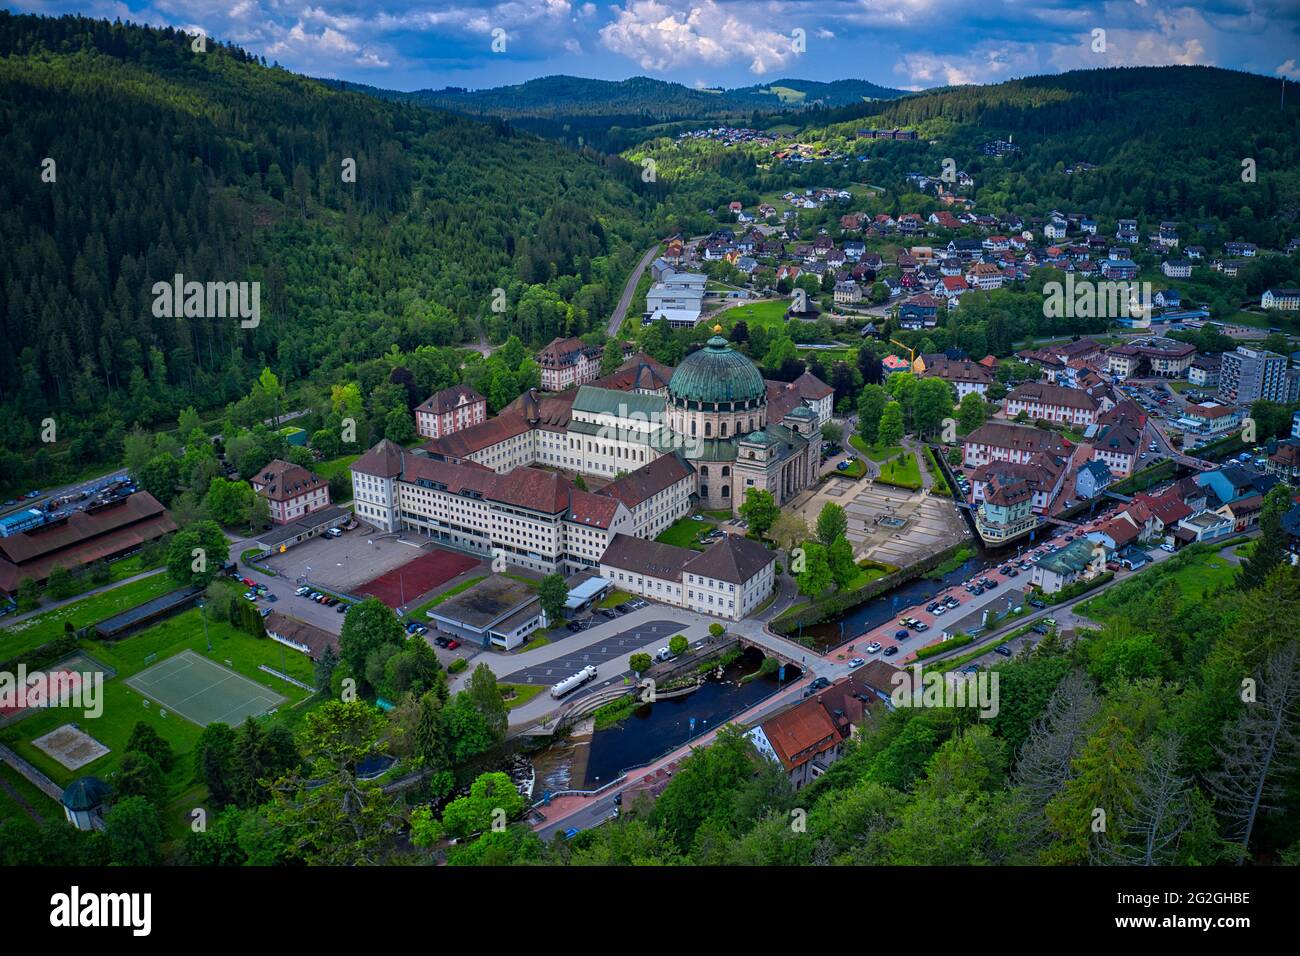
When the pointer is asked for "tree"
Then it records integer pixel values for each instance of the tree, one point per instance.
(328, 816)
(214, 757)
(1270, 549)
(553, 593)
(59, 584)
(368, 626)
(871, 405)
(788, 530)
(493, 800)
(677, 644)
(611, 358)
(812, 569)
(759, 509)
(972, 412)
(160, 476)
(840, 557)
(832, 432)
(465, 729)
(890, 432)
(148, 741)
(832, 523)
(932, 403)
(228, 501)
(138, 775)
(134, 833)
(1260, 747)
(486, 697)
(197, 553)
(639, 662)
(1099, 796)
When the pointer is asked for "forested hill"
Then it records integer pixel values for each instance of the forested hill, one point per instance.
(575, 96)
(215, 166)
(612, 115)
(1167, 142)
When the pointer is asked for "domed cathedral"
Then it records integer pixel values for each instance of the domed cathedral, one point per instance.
(717, 416)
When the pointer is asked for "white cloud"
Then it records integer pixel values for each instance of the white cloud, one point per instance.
(662, 36)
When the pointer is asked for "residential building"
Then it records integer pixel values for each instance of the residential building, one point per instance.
(1249, 374)
(567, 363)
(1091, 479)
(1040, 401)
(957, 370)
(1080, 560)
(1210, 418)
(1156, 357)
(451, 410)
(1287, 299)
(1003, 441)
(291, 491)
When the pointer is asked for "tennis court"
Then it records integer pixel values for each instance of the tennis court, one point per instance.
(203, 691)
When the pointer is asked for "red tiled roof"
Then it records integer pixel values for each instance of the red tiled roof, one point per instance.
(800, 733)
(467, 441)
(648, 480)
(449, 399)
(282, 480)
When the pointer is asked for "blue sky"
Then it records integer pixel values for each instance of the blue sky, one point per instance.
(911, 44)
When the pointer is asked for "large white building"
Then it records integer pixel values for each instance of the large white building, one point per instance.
(730, 579)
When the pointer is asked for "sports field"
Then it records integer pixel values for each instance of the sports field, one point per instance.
(408, 582)
(204, 692)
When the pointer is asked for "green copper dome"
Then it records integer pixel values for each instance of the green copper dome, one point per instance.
(717, 373)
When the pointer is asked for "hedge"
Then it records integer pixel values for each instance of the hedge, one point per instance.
(961, 640)
(47, 653)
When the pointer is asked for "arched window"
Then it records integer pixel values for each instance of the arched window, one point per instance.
(704, 471)
(723, 432)
(726, 491)
(708, 429)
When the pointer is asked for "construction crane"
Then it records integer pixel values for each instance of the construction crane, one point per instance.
(911, 352)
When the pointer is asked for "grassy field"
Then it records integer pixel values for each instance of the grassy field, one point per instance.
(10, 808)
(875, 452)
(615, 597)
(118, 570)
(904, 474)
(523, 693)
(123, 706)
(685, 533)
(766, 314)
(1196, 573)
(35, 631)
(330, 467)
(420, 615)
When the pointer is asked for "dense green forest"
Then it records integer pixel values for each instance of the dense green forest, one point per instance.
(214, 166)
(1168, 143)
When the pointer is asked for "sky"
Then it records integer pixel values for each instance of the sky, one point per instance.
(906, 44)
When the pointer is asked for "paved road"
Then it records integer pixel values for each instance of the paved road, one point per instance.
(629, 288)
(606, 649)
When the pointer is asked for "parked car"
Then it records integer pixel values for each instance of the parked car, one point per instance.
(606, 612)
(891, 650)
(250, 596)
(452, 644)
(901, 635)
(820, 682)
(920, 626)
(301, 591)
(342, 608)
(440, 641)
(971, 669)
(1003, 650)
(333, 533)
(858, 661)
(873, 647)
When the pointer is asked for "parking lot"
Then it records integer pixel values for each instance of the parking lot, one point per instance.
(341, 564)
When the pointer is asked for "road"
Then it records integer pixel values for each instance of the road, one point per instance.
(91, 486)
(629, 289)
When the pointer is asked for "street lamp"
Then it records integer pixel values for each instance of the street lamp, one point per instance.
(206, 637)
